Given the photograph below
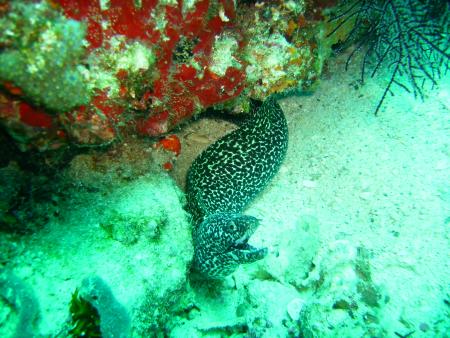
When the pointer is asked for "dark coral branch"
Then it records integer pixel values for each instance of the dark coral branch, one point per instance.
(409, 39)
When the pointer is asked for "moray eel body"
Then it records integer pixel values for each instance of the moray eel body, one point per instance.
(224, 179)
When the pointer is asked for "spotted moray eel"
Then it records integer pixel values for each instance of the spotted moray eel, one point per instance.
(223, 180)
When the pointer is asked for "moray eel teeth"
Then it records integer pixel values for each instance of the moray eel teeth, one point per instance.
(223, 180)
(221, 244)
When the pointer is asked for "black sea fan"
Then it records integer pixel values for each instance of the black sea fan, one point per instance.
(408, 37)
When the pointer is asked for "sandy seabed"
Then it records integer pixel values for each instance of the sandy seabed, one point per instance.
(380, 182)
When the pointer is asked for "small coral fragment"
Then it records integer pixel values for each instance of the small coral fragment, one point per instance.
(171, 143)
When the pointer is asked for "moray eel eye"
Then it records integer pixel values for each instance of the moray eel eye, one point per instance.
(221, 244)
(231, 227)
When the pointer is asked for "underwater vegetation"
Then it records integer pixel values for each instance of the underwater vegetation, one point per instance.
(409, 38)
(85, 317)
(96, 313)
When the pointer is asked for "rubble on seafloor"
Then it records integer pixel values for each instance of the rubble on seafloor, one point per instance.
(93, 74)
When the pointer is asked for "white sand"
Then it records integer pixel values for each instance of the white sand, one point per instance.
(382, 183)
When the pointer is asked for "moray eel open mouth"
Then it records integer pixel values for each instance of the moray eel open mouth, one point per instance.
(249, 253)
(221, 244)
(242, 244)
(224, 179)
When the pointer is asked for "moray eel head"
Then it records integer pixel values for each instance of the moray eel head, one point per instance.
(221, 244)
